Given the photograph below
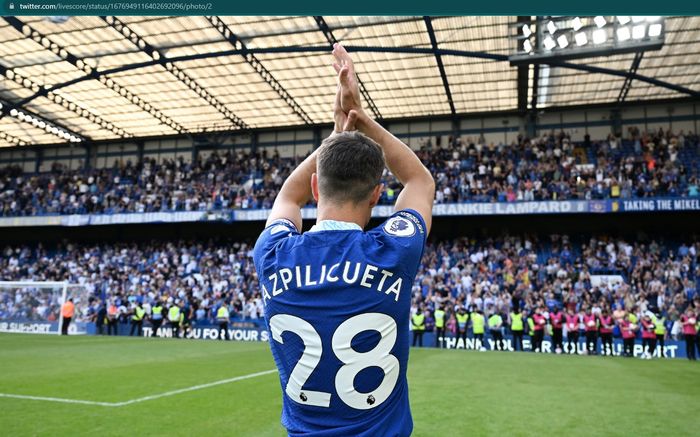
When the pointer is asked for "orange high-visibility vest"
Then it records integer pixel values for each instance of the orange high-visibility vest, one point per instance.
(68, 310)
(112, 312)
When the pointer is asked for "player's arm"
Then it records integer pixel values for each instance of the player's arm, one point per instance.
(294, 194)
(296, 190)
(419, 187)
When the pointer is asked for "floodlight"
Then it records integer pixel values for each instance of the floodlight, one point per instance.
(623, 33)
(599, 36)
(562, 41)
(655, 30)
(576, 37)
(549, 43)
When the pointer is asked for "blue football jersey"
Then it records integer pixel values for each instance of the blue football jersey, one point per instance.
(337, 307)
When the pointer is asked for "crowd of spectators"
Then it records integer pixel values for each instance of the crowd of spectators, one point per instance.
(547, 168)
(202, 275)
(554, 168)
(493, 275)
(221, 181)
(496, 275)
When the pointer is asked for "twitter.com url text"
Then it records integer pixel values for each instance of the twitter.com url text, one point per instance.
(112, 7)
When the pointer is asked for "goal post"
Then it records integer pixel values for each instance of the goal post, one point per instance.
(34, 307)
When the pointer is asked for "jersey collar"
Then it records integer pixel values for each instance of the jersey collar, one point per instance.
(334, 225)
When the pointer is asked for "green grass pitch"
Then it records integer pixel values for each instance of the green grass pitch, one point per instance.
(453, 393)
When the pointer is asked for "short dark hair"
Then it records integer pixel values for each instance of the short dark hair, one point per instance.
(349, 167)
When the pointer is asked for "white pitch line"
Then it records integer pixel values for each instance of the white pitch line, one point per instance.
(195, 387)
(137, 400)
(65, 401)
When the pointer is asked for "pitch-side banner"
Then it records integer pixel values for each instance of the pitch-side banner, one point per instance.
(454, 209)
(654, 205)
(519, 208)
(672, 348)
(211, 332)
(116, 219)
(22, 326)
(447, 209)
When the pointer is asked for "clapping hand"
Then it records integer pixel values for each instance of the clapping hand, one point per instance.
(347, 100)
(343, 121)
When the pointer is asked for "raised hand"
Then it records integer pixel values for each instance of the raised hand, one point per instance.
(343, 121)
(349, 89)
(419, 187)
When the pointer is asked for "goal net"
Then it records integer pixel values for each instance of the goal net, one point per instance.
(35, 307)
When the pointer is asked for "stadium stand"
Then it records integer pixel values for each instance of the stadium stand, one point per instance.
(551, 167)
(491, 274)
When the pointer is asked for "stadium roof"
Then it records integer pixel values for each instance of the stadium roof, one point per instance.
(105, 78)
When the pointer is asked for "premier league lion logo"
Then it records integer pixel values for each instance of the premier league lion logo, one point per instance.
(400, 227)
